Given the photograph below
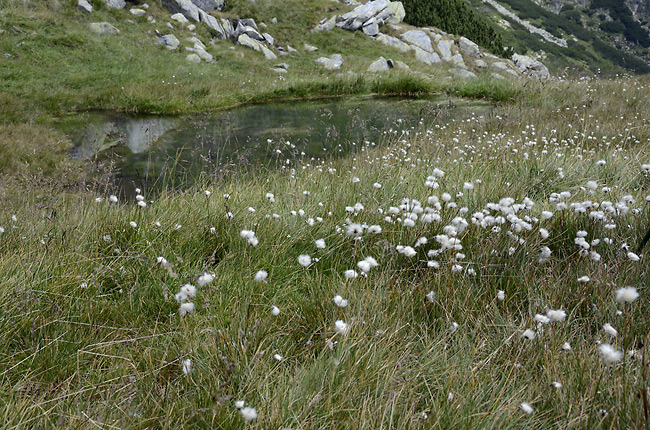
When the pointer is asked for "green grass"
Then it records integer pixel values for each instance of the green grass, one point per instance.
(92, 336)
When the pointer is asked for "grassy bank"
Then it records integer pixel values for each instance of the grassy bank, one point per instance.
(92, 332)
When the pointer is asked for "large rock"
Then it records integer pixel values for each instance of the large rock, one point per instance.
(84, 6)
(468, 47)
(179, 17)
(169, 41)
(246, 40)
(393, 41)
(102, 28)
(503, 68)
(370, 27)
(185, 7)
(393, 14)
(193, 58)
(380, 65)
(427, 57)
(332, 63)
(444, 48)
(457, 60)
(418, 38)
(531, 67)
(115, 4)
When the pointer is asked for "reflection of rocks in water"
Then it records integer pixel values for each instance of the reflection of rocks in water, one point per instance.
(142, 133)
(137, 134)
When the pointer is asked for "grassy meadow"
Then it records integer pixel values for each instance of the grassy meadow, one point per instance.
(449, 276)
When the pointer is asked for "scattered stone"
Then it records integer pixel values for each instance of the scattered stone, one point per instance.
(418, 38)
(184, 7)
(468, 47)
(282, 66)
(84, 6)
(332, 63)
(531, 67)
(202, 53)
(246, 40)
(193, 58)
(274, 20)
(480, 64)
(382, 11)
(208, 5)
(102, 28)
(191, 27)
(425, 56)
(115, 4)
(196, 41)
(290, 49)
(393, 42)
(502, 67)
(179, 17)
(370, 27)
(279, 70)
(137, 12)
(310, 48)
(169, 41)
(462, 73)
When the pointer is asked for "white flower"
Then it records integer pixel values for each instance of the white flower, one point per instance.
(270, 197)
(189, 290)
(207, 193)
(556, 384)
(112, 199)
(377, 185)
(528, 334)
(304, 260)
(526, 408)
(349, 274)
(542, 319)
(341, 327)
(185, 308)
(609, 353)
(556, 315)
(139, 198)
(187, 366)
(277, 357)
(626, 295)
(320, 243)
(275, 311)
(180, 297)
(501, 295)
(133, 224)
(261, 276)
(340, 301)
(142, 204)
(632, 256)
(354, 230)
(98, 200)
(374, 229)
(205, 279)
(566, 346)
(239, 404)
(611, 331)
(364, 266)
(583, 279)
(453, 327)
(249, 414)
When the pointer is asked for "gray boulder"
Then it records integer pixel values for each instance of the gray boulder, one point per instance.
(393, 42)
(462, 73)
(84, 6)
(102, 28)
(426, 57)
(370, 27)
(531, 67)
(169, 41)
(503, 68)
(269, 39)
(246, 40)
(309, 48)
(402, 66)
(418, 38)
(137, 11)
(480, 64)
(457, 60)
(115, 4)
(251, 31)
(468, 47)
(333, 63)
(325, 25)
(444, 47)
(208, 5)
(179, 17)
(380, 65)
(185, 7)
(193, 58)
(354, 19)
(393, 14)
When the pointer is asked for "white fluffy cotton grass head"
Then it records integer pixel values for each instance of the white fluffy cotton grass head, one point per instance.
(626, 295)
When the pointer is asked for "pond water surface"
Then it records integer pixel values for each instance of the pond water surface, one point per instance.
(153, 151)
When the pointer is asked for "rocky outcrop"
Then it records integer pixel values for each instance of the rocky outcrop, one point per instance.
(169, 41)
(247, 41)
(373, 13)
(531, 67)
(381, 65)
